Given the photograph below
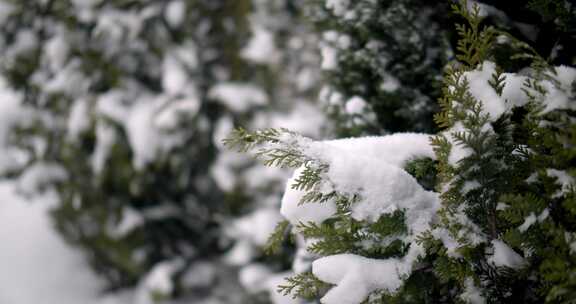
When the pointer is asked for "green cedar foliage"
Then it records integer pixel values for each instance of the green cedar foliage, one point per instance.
(505, 179)
(502, 182)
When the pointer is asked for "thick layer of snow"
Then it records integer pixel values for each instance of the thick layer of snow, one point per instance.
(395, 149)
(298, 213)
(356, 277)
(372, 168)
(157, 282)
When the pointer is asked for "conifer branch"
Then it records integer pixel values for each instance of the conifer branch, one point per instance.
(309, 177)
(474, 43)
(275, 240)
(277, 147)
(245, 141)
(304, 285)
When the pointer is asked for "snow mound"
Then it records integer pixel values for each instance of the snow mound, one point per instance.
(370, 169)
(356, 277)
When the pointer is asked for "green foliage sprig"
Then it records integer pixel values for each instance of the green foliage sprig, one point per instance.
(303, 285)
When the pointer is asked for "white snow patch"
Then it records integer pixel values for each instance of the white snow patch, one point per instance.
(457, 151)
(304, 118)
(238, 97)
(142, 137)
(175, 78)
(170, 114)
(504, 256)
(131, 219)
(528, 221)
(11, 113)
(371, 167)
(39, 175)
(6, 9)
(78, 119)
(356, 277)
(532, 219)
(469, 186)
(472, 293)
(261, 48)
(298, 213)
(329, 57)
(105, 138)
(253, 277)
(57, 51)
(199, 275)
(241, 254)
(556, 97)
(390, 84)
(175, 13)
(566, 181)
(395, 149)
(448, 241)
(255, 227)
(69, 79)
(355, 105)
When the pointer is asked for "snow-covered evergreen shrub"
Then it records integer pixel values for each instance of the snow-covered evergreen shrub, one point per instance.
(126, 104)
(119, 92)
(384, 62)
(498, 179)
(353, 205)
(286, 47)
(498, 226)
